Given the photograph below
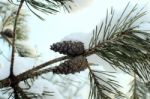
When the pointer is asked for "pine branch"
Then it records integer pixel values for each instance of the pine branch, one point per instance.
(148, 86)
(135, 96)
(32, 73)
(138, 89)
(121, 46)
(71, 66)
(100, 86)
(24, 76)
(109, 86)
(7, 15)
(47, 6)
(45, 64)
(29, 73)
(5, 83)
(14, 37)
(22, 93)
(16, 96)
(7, 20)
(11, 76)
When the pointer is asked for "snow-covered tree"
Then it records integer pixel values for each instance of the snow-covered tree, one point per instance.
(118, 40)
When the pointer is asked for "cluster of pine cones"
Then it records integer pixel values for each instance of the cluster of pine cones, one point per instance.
(75, 50)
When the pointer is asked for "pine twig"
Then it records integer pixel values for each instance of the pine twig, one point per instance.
(138, 88)
(134, 88)
(14, 37)
(16, 96)
(49, 63)
(12, 77)
(101, 48)
(22, 93)
(32, 73)
(87, 53)
(98, 90)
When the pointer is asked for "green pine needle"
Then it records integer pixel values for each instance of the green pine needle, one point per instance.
(123, 45)
(138, 89)
(7, 15)
(47, 6)
(102, 85)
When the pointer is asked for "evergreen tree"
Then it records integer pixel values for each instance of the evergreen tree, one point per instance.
(7, 15)
(123, 45)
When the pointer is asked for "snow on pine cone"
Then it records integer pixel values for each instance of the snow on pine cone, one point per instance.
(71, 66)
(70, 48)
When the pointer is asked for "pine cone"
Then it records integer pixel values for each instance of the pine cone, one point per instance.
(8, 33)
(71, 66)
(71, 48)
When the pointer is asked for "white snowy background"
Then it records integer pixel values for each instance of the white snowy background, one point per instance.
(77, 25)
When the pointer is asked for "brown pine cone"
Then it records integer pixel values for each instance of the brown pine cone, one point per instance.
(8, 33)
(71, 66)
(71, 48)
